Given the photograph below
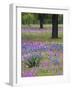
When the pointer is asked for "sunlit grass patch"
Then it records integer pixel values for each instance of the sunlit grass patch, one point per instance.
(42, 36)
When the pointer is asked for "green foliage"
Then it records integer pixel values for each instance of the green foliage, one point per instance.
(27, 19)
(33, 62)
(33, 18)
(60, 19)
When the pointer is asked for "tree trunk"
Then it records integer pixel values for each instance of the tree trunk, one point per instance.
(41, 20)
(54, 26)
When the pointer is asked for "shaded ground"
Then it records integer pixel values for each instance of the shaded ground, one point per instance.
(37, 29)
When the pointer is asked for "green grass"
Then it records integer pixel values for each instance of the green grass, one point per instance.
(42, 36)
(48, 72)
(37, 25)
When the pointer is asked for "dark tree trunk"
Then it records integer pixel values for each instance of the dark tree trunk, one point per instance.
(54, 26)
(41, 20)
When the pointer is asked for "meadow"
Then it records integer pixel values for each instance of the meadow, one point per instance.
(41, 55)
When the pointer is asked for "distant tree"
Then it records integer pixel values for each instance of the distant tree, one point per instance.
(22, 18)
(27, 18)
(60, 19)
(48, 19)
(41, 18)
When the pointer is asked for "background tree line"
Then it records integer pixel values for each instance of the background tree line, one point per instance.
(34, 18)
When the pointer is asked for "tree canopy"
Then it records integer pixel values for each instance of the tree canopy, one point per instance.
(34, 18)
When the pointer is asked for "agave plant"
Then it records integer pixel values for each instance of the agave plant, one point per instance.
(33, 61)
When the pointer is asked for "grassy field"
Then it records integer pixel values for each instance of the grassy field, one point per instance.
(46, 26)
(42, 36)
